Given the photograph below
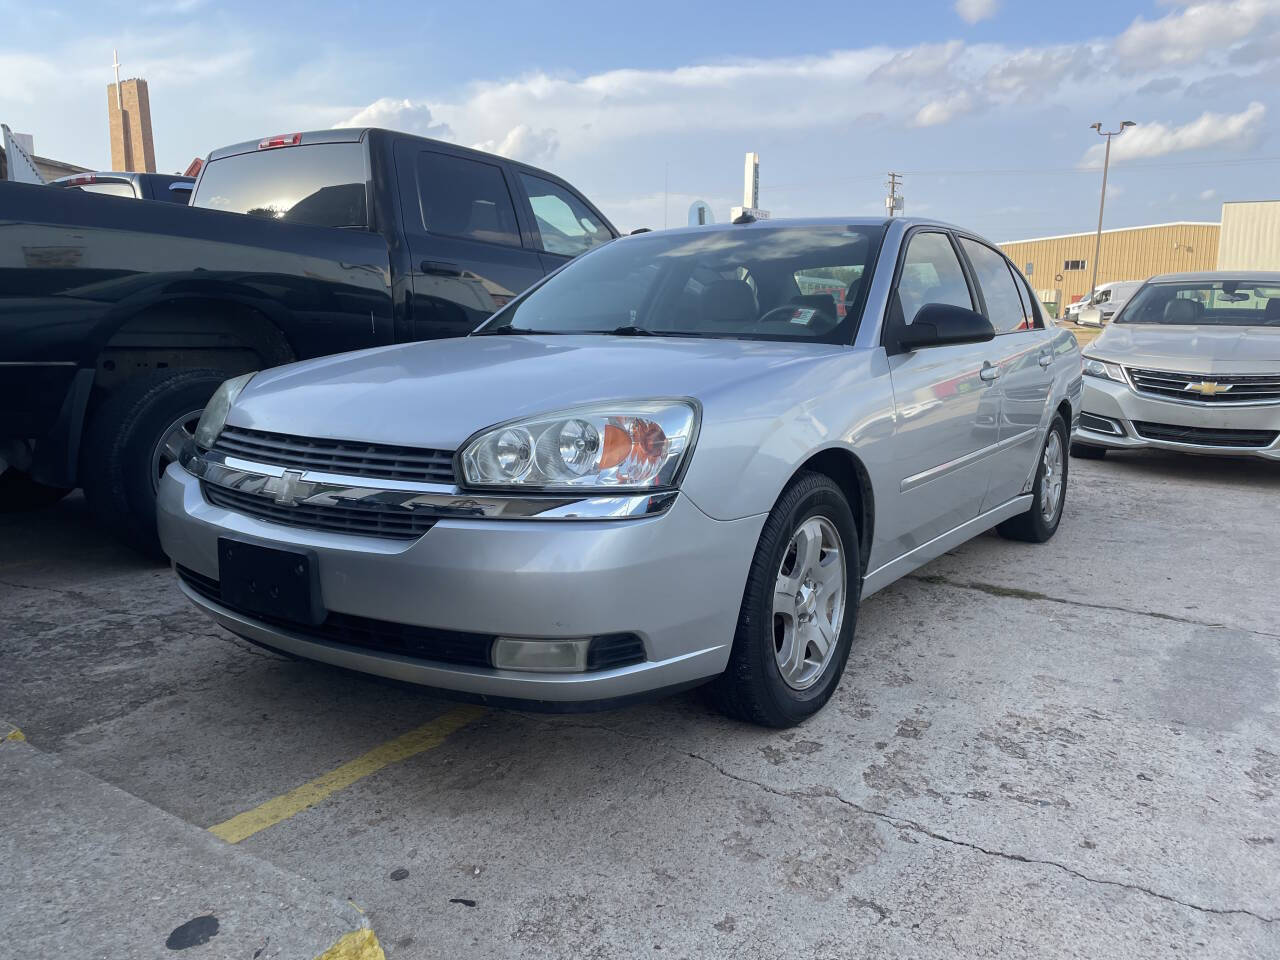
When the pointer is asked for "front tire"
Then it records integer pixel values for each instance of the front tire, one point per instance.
(1049, 491)
(799, 609)
(133, 436)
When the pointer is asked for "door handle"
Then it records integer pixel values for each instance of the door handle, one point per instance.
(1045, 359)
(989, 372)
(441, 268)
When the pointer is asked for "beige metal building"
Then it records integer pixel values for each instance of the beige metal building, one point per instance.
(1060, 268)
(1250, 236)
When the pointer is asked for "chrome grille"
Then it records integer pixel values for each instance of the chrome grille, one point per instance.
(370, 520)
(347, 457)
(1167, 385)
(1205, 436)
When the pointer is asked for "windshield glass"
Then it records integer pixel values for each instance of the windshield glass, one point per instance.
(783, 283)
(319, 184)
(1233, 303)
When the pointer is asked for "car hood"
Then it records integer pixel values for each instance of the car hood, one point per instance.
(1204, 349)
(438, 393)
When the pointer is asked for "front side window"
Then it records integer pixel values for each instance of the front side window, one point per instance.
(461, 197)
(566, 225)
(1240, 302)
(931, 274)
(735, 283)
(1004, 306)
(321, 184)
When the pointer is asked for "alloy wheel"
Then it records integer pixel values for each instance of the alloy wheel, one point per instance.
(1051, 478)
(809, 602)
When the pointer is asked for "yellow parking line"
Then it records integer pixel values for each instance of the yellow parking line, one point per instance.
(267, 814)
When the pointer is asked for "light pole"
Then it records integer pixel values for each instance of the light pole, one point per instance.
(1102, 201)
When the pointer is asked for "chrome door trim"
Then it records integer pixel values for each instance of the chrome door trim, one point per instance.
(951, 466)
(285, 485)
(887, 573)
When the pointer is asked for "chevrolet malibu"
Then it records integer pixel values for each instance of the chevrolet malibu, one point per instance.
(1191, 363)
(684, 458)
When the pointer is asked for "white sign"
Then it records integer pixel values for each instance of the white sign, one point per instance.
(21, 167)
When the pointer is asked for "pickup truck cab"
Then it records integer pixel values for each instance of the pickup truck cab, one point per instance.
(170, 188)
(118, 320)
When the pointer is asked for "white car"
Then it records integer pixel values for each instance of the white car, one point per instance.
(1192, 363)
(1106, 302)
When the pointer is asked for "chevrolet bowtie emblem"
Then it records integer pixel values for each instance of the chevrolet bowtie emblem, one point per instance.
(288, 488)
(1208, 388)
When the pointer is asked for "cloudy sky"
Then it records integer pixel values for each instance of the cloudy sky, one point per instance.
(984, 105)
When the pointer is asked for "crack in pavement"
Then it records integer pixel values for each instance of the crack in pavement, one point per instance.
(900, 822)
(996, 590)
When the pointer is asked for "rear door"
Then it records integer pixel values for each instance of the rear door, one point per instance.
(468, 258)
(564, 224)
(1023, 350)
(945, 410)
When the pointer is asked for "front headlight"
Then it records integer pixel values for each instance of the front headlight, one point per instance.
(1093, 367)
(215, 413)
(630, 445)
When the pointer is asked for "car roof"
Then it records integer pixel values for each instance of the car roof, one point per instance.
(1209, 276)
(772, 223)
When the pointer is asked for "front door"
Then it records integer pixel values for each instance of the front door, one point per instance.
(1025, 356)
(467, 254)
(946, 413)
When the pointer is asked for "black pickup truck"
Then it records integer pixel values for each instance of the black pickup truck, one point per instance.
(118, 319)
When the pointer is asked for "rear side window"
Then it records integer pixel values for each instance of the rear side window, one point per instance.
(1005, 308)
(565, 223)
(931, 274)
(466, 198)
(320, 184)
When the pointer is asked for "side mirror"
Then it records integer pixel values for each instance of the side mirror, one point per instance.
(944, 324)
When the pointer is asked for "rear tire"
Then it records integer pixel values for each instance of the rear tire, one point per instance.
(779, 673)
(122, 459)
(19, 493)
(1086, 452)
(1049, 491)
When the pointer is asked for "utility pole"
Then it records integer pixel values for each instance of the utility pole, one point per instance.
(1102, 201)
(893, 201)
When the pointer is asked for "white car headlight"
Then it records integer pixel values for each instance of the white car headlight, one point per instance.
(1093, 367)
(215, 413)
(629, 445)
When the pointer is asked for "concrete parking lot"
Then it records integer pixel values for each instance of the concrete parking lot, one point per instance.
(1070, 750)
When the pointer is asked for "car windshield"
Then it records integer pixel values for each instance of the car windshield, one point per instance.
(770, 283)
(1233, 303)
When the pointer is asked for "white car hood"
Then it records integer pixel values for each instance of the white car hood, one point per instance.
(438, 393)
(1206, 349)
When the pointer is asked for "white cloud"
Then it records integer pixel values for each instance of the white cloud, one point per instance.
(1188, 35)
(407, 115)
(1208, 194)
(971, 11)
(944, 109)
(1159, 139)
(524, 143)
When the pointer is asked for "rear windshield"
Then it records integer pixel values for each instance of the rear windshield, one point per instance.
(783, 283)
(319, 184)
(1241, 303)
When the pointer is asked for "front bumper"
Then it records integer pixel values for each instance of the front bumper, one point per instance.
(674, 579)
(1124, 407)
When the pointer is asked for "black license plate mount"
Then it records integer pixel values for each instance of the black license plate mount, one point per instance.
(269, 581)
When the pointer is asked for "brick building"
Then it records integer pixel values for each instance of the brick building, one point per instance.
(129, 119)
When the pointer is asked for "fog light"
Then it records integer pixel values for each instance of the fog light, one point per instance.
(541, 656)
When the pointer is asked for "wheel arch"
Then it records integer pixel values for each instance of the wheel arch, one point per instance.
(849, 473)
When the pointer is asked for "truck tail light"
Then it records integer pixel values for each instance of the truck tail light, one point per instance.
(82, 178)
(283, 140)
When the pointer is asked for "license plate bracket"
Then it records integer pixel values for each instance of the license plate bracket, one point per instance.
(281, 584)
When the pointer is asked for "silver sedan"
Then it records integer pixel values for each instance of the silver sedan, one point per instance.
(685, 457)
(1191, 363)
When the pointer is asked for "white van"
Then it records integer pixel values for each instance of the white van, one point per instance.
(1106, 301)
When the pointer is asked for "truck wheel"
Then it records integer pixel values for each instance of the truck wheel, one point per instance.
(798, 610)
(132, 437)
(1049, 493)
(18, 492)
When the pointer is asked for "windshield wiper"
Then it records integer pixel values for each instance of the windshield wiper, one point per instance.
(508, 330)
(629, 330)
